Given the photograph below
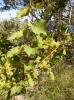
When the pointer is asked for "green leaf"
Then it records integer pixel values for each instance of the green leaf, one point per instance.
(35, 44)
(52, 76)
(49, 71)
(30, 66)
(15, 89)
(30, 50)
(39, 28)
(38, 6)
(19, 49)
(15, 51)
(23, 12)
(5, 97)
(53, 43)
(15, 63)
(50, 7)
(64, 51)
(17, 35)
(27, 67)
(30, 80)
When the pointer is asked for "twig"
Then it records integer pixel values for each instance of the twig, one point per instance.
(33, 14)
(38, 65)
(49, 17)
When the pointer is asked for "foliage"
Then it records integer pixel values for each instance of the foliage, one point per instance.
(7, 27)
(33, 48)
(12, 4)
(60, 89)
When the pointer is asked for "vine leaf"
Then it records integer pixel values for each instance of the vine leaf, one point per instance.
(52, 76)
(30, 80)
(30, 66)
(15, 51)
(39, 28)
(64, 51)
(29, 50)
(15, 89)
(53, 43)
(49, 71)
(23, 12)
(38, 6)
(18, 34)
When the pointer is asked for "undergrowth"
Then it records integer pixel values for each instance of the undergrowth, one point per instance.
(60, 89)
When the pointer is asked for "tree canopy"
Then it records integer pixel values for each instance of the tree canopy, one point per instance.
(12, 4)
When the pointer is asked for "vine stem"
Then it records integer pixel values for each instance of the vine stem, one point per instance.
(51, 53)
(48, 56)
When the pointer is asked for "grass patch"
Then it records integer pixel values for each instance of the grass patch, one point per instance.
(61, 89)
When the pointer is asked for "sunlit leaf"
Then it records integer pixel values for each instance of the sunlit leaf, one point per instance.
(49, 71)
(7, 64)
(23, 12)
(15, 51)
(52, 75)
(64, 51)
(15, 89)
(53, 43)
(30, 66)
(39, 28)
(30, 50)
(30, 80)
(5, 97)
(38, 6)
(18, 34)
(27, 67)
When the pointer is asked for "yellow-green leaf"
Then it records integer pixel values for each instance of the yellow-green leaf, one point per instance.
(15, 89)
(18, 34)
(15, 51)
(38, 6)
(49, 71)
(30, 80)
(29, 50)
(29, 66)
(64, 51)
(39, 28)
(52, 76)
(50, 7)
(23, 12)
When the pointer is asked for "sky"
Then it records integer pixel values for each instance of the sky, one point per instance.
(9, 14)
